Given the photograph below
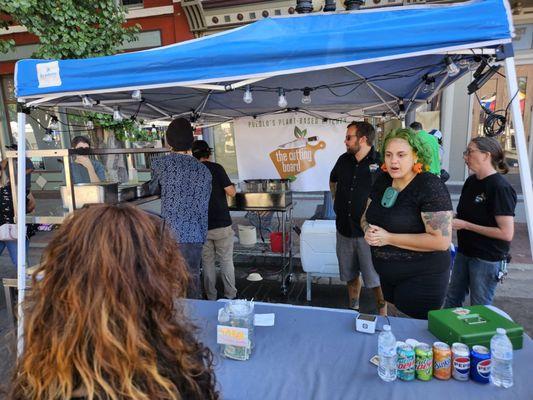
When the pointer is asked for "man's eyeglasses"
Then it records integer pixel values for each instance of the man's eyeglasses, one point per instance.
(349, 137)
(467, 152)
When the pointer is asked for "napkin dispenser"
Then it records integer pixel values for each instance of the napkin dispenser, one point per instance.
(365, 323)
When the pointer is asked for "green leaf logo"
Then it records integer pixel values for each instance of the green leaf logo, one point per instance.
(300, 133)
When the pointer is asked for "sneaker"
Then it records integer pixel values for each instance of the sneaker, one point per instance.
(354, 304)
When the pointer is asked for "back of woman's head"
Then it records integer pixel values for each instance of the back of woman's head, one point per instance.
(493, 147)
(103, 317)
(422, 151)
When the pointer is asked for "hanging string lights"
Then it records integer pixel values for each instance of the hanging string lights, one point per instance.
(282, 101)
(86, 101)
(448, 65)
(401, 108)
(53, 133)
(451, 67)
(136, 95)
(117, 115)
(306, 98)
(429, 84)
(247, 97)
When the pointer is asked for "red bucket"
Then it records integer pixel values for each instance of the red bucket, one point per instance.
(276, 241)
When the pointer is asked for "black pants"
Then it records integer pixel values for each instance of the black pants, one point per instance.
(192, 253)
(415, 286)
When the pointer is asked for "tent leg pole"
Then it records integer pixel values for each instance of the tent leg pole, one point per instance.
(521, 146)
(530, 148)
(21, 227)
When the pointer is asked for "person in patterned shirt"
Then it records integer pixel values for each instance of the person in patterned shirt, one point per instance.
(185, 190)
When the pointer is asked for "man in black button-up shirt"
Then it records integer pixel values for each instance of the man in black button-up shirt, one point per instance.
(350, 183)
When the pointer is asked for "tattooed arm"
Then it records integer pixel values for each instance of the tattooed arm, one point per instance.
(364, 223)
(437, 237)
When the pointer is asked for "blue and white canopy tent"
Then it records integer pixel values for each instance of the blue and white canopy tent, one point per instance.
(362, 62)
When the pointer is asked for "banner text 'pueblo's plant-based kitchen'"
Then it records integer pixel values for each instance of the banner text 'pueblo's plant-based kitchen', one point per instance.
(293, 146)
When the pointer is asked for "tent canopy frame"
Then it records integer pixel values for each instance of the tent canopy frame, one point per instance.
(492, 34)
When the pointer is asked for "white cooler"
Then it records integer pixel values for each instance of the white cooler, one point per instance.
(317, 250)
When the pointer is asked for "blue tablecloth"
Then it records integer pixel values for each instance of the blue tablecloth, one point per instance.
(315, 353)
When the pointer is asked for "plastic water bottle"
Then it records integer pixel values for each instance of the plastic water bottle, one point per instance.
(501, 351)
(387, 355)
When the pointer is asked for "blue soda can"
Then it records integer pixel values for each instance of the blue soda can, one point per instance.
(480, 364)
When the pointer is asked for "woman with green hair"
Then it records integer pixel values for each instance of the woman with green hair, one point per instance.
(407, 223)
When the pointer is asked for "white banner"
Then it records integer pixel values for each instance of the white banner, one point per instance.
(293, 145)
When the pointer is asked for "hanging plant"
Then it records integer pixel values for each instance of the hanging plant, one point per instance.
(127, 129)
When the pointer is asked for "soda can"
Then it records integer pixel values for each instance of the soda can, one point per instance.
(412, 342)
(480, 364)
(442, 361)
(424, 362)
(405, 362)
(460, 361)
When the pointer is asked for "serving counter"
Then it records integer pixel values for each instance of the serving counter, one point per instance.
(124, 193)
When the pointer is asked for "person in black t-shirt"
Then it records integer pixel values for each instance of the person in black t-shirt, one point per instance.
(220, 234)
(350, 182)
(484, 224)
(408, 226)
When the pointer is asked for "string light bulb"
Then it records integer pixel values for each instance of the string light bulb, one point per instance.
(153, 130)
(53, 125)
(47, 137)
(306, 98)
(247, 97)
(451, 67)
(86, 102)
(136, 95)
(463, 63)
(429, 84)
(475, 63)
(401, 105)
(117, 115)
(52, 133)
(90, 125)
(282, 101)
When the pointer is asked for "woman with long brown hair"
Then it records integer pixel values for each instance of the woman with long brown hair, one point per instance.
(103, 323)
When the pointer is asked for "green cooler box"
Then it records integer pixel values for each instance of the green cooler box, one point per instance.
(474, 325)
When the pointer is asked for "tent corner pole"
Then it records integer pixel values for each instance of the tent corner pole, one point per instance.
(521, 146)
(21, 227)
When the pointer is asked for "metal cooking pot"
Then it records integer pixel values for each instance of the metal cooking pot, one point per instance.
(278, 185)
(255, 185)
